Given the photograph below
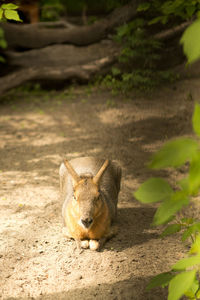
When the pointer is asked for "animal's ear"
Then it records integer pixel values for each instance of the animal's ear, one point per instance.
(71, 171)
(97, 177)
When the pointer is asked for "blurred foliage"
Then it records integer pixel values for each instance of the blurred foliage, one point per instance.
(8, 11)
(184, 276)
(170, 11)
(3, 44)
(140, 62)
(139, 59)
(95, 6)
(175, 12)
(51, 10)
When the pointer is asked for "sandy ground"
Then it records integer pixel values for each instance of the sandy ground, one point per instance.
(37, 130)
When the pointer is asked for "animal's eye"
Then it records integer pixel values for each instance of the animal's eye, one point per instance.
(74, 198)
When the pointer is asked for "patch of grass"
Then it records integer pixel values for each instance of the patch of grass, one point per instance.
(84, 100)
(110, 103)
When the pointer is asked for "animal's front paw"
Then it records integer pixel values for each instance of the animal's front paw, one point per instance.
(94, 245)
(85, 244)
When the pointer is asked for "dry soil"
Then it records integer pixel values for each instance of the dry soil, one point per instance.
(38, 129)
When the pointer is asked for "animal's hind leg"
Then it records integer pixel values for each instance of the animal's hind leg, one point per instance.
(66, 233)
(112, 232)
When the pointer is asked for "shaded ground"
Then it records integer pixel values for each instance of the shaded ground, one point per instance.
(36, 131)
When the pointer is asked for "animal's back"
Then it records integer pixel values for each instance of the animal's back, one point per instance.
(109, 183)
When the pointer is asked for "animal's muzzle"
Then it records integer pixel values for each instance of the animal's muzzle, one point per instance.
(87, 222)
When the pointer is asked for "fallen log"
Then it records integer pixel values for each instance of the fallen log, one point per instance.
(35, 36)
(80, 72)
(52, 59)
(56, 56)
(59, 62)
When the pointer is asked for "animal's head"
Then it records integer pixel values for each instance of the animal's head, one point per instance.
(87, 201)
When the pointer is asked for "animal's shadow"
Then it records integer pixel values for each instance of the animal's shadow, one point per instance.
(132, 223)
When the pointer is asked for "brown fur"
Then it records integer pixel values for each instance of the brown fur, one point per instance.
(98, 229)
(90, 200)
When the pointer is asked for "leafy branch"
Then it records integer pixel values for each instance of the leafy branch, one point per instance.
(8, 11)
(183, 279)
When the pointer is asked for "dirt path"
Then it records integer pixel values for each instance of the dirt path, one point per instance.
(36, 131)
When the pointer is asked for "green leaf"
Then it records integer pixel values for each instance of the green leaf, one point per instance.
(196, 245)
(196, 119)
(153, 190)
(190, 10)
(3, 43)
(144, 6)
(194, 175)
(155, 20)
(186, 263)
(169, 207)
(9, 6)
(1, 33)
(1, 13)
(116, 71)
(180, 284)
(174, 153)
(191, 293)
(184, 184)
(191, 230)
(12, 15)
(190, 42)
(2, 60)
(160, 280)
(172, 228)
(188, 221)
(122, 30)
(197, 293)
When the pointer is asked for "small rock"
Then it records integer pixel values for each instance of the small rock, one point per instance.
(77, 276)
(19, 258)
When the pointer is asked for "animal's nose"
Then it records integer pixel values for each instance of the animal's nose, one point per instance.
(87, 222)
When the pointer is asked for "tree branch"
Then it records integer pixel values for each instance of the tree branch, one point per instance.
(172, 32)
(80, 72)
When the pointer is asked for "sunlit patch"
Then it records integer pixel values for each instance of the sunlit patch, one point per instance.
(135, 139)
(48, 140)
